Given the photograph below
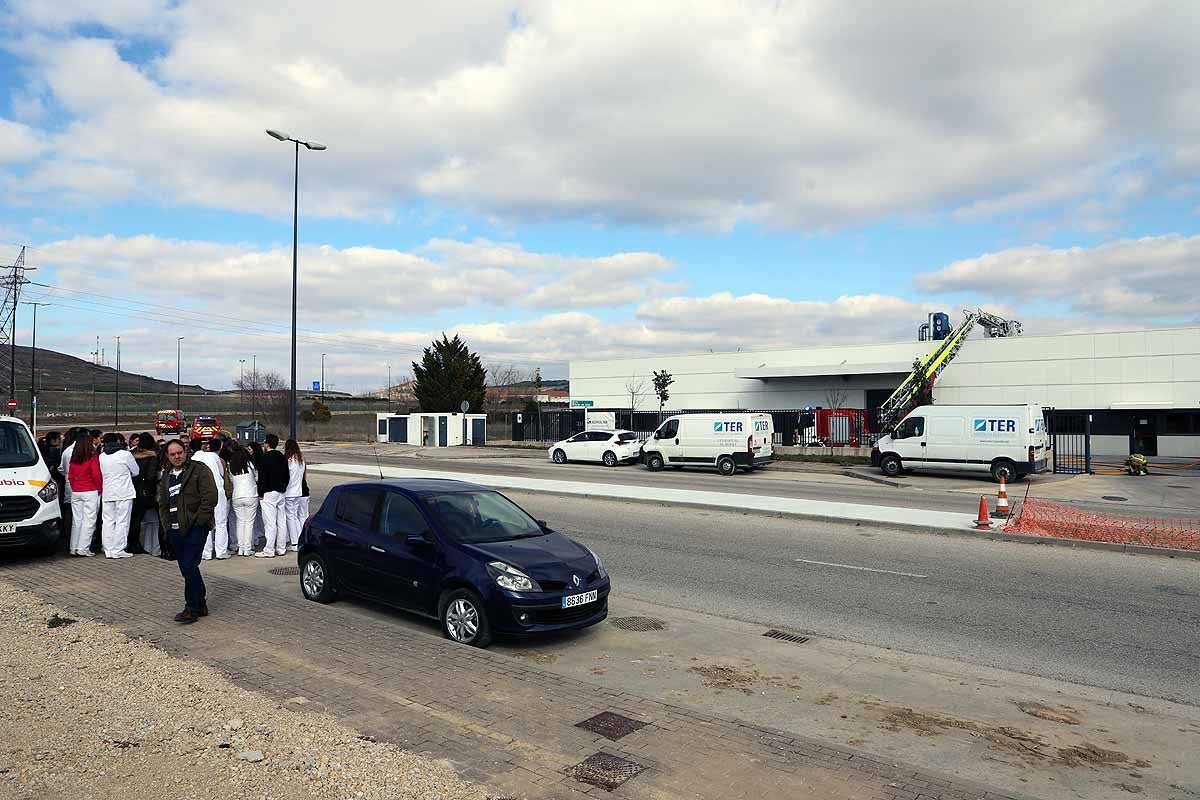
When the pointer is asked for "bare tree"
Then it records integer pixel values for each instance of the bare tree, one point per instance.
(500, 378)
(635, 387)
(270, 398)
(835, 396)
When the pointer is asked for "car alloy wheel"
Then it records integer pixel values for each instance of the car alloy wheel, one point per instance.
(462, 620)
(610, 459)
(560, 457)
(314, 580)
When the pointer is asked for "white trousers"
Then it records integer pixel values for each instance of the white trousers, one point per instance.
(114, 526)
(295, 518)
(219, 535)
(245, 510)
(84, 508)
(235, 538)
(149, 532)
(274, 523)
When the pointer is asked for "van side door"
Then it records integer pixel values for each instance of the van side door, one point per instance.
(947, 442)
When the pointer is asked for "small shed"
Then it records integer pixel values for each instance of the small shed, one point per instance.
(432, 430)
(253, 431)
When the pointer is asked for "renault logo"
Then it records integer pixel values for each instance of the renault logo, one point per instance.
(575, 580)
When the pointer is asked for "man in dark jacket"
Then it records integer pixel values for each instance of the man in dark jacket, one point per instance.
(272, 483)
(187, 498)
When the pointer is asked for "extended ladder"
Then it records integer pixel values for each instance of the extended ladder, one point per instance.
(907, 394)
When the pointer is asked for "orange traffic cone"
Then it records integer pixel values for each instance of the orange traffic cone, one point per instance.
(1001, 511)
(982, 522)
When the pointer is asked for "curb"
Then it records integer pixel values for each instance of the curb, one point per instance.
(849, 473)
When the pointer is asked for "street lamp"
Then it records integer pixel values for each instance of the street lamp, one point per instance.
(33, 369)
(178, 354)
(117, 393)
(242, 384)
(322, 377)
(283, 137)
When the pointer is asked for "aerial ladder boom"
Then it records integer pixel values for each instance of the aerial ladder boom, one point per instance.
(908, 393)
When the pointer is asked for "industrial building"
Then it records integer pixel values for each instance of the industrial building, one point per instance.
(1141, 388)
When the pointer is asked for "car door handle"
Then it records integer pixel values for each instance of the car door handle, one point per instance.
(676, 441)
(331, 533)
(378, 549)
(922, 444)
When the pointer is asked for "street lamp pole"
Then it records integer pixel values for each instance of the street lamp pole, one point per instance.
(389, 386)
(117, 392)
(242, 384)
(283, 137)
(178, 361)
(322, 377)
(254, 391)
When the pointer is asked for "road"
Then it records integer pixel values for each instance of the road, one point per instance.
(1129, 623)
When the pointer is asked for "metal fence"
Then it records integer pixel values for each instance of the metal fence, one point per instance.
(1071, 441)
(796, 427)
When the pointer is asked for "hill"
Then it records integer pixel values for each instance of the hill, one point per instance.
(61, 372)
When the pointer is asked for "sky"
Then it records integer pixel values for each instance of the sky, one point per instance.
(555, 181)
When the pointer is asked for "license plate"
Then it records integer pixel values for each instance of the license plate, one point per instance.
(579, 599)
(11, 527)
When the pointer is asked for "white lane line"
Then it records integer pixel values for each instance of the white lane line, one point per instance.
(863, 569)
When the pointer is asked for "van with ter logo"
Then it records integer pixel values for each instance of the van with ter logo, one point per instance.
(729, 442)
(1005, 441)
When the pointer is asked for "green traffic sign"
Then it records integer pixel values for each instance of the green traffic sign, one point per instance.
(581, 404)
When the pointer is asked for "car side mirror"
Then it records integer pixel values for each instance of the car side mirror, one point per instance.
(542, 524)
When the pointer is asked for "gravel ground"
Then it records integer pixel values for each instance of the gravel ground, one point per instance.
(87, 713)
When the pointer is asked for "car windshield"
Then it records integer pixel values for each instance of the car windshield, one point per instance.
(166, 417)
(474, 517)
(16, 446)
(205, 421)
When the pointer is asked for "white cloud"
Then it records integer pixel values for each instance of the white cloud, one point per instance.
(706, 113)
(1151, 279)
(19, 142)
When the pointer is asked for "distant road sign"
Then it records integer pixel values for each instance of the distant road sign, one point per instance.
(465, 406)
(582, 404)
(316, 386)
(12, 404)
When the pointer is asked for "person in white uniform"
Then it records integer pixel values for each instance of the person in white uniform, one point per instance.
(273, 479)
(217, 543)
(293, 497)
(245, 498)
(118, 468)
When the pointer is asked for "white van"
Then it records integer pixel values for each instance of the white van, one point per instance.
(725, 441)
(29, 514)
(1007, 441)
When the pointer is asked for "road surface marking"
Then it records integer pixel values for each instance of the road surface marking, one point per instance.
(863, 569)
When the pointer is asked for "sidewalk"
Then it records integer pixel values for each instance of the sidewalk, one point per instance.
(509, 725)
(822, 510)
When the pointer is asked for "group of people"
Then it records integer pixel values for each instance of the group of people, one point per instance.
(121, 488)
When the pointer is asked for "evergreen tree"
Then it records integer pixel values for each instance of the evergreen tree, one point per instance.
(448, 374)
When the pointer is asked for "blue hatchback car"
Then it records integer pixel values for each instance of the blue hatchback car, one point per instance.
(457, 552)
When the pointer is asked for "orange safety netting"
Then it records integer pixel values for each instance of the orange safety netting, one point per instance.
(1043, 518)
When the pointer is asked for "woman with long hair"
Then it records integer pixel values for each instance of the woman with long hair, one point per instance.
(143, 526)
(293, 498)
(245, 498)
(83, 475)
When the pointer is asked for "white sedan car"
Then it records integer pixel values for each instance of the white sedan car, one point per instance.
(608, 447)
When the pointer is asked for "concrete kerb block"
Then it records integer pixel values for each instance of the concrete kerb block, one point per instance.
(849, 473)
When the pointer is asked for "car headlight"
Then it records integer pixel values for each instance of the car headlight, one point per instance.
(511, 578)
(49, 492)
(600, 570)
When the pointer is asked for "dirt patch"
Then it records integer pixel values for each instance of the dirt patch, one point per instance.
(720, 676)
(1028, 745)
(537, 656)
(826, 699)
(1063, 715)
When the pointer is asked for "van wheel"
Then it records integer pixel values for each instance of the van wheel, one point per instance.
(654, 462)
(463, 618)
(1007, 469)
(890, 466)
(610, 458)
(726, 465)
(559, 456)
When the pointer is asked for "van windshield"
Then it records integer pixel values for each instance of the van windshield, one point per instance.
(166, 417)
(16, 446)
(475, 517)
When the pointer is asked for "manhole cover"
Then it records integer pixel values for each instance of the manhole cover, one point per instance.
(784, 636)
(638, 624)
(285, 571)
(1117, 498)
(611, 726)
(605, 770)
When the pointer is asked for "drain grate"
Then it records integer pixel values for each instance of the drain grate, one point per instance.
(1118, 498)
(611, 726)
(784, 636)
(285, 571)
(638, 624)
(605, 770)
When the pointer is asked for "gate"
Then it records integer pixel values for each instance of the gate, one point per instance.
(1071, 440)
